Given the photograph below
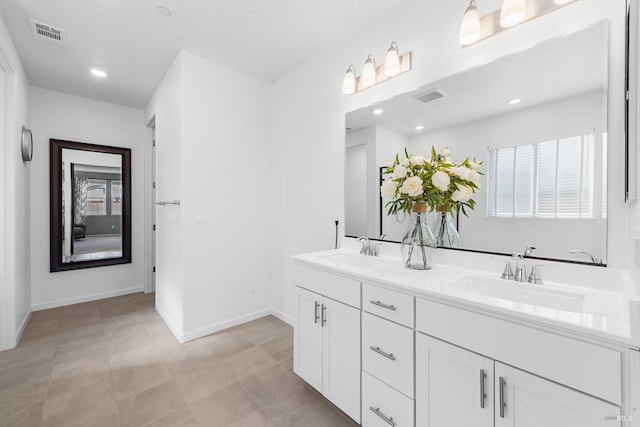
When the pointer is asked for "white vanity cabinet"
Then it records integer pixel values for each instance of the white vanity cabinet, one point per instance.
(327, 342)
(528, 401)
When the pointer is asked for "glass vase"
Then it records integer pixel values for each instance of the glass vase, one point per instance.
(418, 244)
(445, 231)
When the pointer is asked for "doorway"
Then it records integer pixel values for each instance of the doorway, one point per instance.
(150, 209)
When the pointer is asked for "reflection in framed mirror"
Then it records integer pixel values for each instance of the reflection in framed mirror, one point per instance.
(90, 206)
(537, 120)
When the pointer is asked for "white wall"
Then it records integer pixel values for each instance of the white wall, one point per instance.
(223, 133)
(552, 238)
(308, 119)
(67, 117)
(15, 280)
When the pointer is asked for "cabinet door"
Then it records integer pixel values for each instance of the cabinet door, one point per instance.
(341, 356)
(308, 338)
(454, 387)
(530, 401)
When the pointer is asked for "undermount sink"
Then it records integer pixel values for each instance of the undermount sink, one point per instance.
(517, 292)
(353, 260)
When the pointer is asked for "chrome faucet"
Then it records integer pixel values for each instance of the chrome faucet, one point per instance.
(529, 250)
(520, 274)
(593, 259)
(366, 245)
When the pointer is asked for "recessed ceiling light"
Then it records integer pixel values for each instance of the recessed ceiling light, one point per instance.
(164, 11)
(419, 127)
(378, 111)
(514, 101)
(98, 72)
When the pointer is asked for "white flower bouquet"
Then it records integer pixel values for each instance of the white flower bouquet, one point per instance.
(438, 183)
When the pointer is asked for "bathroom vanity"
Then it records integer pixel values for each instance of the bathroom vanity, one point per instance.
(461, 346)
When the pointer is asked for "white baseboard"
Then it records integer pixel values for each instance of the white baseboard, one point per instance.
(167, 320)
(23, 325)
(85, 298)
(208, 330)
(283, 316)
(217, 327)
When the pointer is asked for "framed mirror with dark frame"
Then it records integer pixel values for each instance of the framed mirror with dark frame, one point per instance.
(90, 205)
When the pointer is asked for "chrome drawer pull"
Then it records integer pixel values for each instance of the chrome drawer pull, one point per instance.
(502, 403)
(389, 356)
(483, 393)
(381, 415)
(324, 315)
(380, 304)
(316, 316)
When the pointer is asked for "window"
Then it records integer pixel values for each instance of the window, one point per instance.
(116, 198)
(550, 179)
(96, 197)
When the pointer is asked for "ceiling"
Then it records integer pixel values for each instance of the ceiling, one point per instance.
(135, 45)
(568, 66)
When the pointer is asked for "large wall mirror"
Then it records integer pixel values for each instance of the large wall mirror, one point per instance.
(537, 119)
(90, 187)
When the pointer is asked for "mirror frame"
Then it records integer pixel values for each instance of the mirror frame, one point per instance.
(55, 202)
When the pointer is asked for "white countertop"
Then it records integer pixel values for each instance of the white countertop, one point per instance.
(607, 315)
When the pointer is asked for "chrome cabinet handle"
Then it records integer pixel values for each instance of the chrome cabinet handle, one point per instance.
(389, 356)
(324, 315)
(388, 420)
(316, 315)
(503, 404)
(380, 304)
(483, 393)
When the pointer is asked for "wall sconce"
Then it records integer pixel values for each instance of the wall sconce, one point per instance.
(394, 64)
(513, 12)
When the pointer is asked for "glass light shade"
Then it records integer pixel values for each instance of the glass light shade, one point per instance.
(392, 62)
(349, 82)
(369, 72)
(470, 27)
(513, 12)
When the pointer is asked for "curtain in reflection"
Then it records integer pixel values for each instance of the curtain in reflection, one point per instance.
(80, 200)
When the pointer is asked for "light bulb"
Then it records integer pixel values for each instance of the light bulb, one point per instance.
(470, 27)
(513, 12)
(98, 72)
(392, 62)
(369, 72)
(349, 82)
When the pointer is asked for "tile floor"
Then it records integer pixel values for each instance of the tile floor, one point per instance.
(114, 363)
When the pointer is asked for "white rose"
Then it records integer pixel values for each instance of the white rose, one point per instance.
(412, 186)
(405, 162)
(461, 171)
(388, 189)
(473, 176)
(448, 160)
(475, 166)
(462, 194)
(445, 151)
(441, 180)
(417, 161)
(399, 171)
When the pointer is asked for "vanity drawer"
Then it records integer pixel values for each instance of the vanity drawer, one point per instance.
(586, 367)
(389, 304)
(383, 406)
(330, 285)
(387, 352)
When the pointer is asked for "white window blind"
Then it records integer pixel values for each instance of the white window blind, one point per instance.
(550, 179)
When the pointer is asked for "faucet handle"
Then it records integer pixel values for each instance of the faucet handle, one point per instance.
(508, 272)
(534, 276)
(373, 249)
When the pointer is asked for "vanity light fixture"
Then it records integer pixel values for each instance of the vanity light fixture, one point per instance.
(394, 64)
(98, 72)
(513, 12)
(514, 101)
(470, 28)
(369, 72)
(378, 111)
(392, 61)
(419, 127)
(349, 83)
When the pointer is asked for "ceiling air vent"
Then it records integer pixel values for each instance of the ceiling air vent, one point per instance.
(48, 33)
(430, 95)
